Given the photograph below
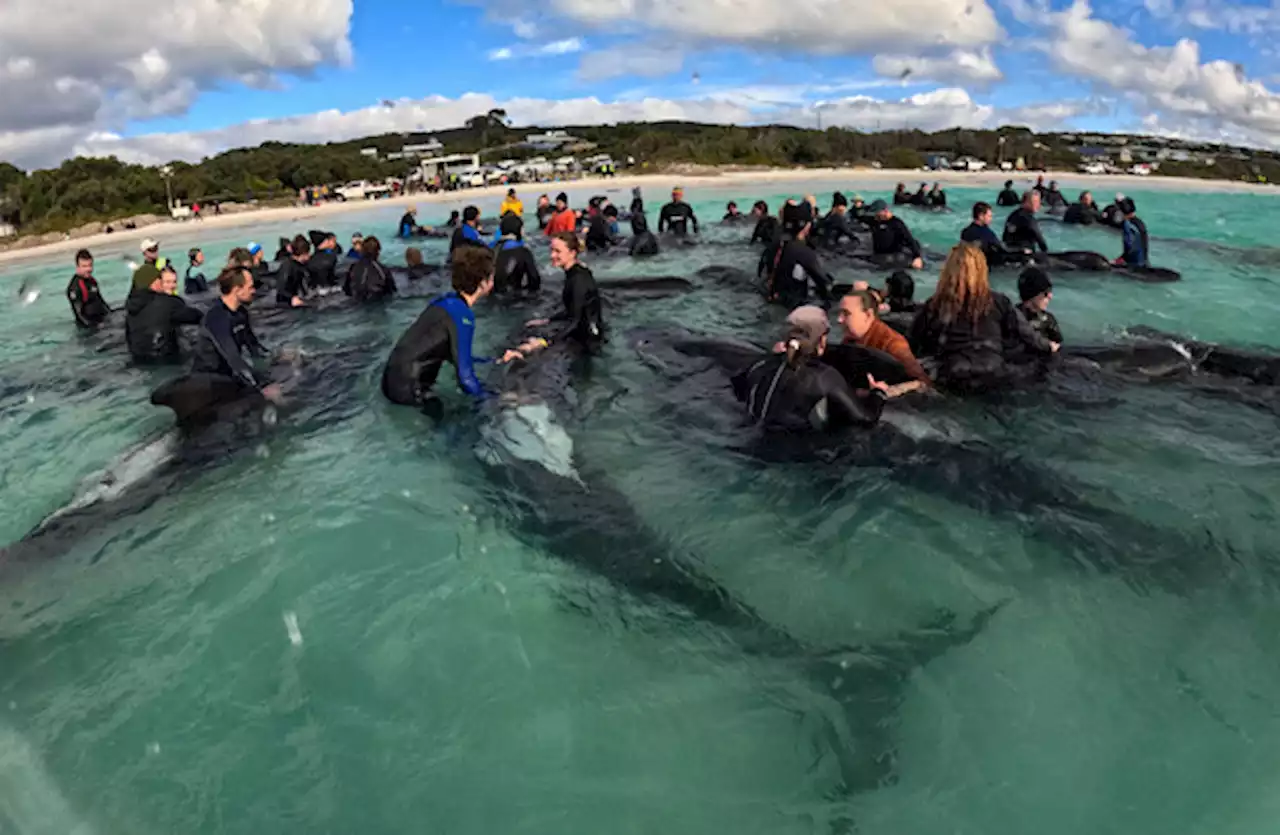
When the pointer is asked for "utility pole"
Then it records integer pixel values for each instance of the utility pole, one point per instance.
(166, 171)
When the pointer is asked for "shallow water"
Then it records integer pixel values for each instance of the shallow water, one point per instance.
(342, 628)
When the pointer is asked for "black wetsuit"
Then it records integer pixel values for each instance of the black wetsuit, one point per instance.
(1022, 231)
(151, 325)
(194, 283)
(836, 228)
(544, 214)
(408, 225)
(223, 338)
(766, 230)
(582, 319)
(643, 242)
(292, 279)
(676, 217)
(87, 304)
(985, 237)
(971, 354)
(1082, 214)
(795, 267)
(810, 396)
(938, 199)
(443, 333)
(1054, 199)
(515, 269)
(901, 198)
(891, 237)
(323, 268)
(1043, 322)
(369, 281)
(1112, 216)
(598, 237)
(1008, 197)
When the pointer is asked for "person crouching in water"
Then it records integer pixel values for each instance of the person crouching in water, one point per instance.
(1036, 291)
(795, 391)
(445, 332)
(516, 269)
(581, 322)
(863, 327)
(152, 317)
(369, 280)
(966, 326)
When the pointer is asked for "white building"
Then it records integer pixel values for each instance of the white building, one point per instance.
(431, 146)
(368, 152)
(548, 141)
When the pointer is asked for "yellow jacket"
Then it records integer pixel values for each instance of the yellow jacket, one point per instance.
(511, 204)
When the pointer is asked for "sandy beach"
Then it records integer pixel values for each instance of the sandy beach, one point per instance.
(655, 186)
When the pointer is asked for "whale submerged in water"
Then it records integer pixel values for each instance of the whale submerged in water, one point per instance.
(559, 503)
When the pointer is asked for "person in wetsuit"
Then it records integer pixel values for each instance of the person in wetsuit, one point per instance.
(1021, 229)
(1085, 212)
(835, 228)
(1137, 244)
(890, 236)
(968, 328)
(796, 392)
(357, 244)
(1036, 291)
(677, 215)
(731, 213)
(581, 322)
(87, 304)
(414, 265)
(369, 280)
(899, 292)
(643, 241)
(980, 234)
(796, 265)
(1111, 215)
(900, 196)
(323, 264)
(515, 269)
(292, 279)
(1008, 197)
(444, 332)
(226, 335)
(921, 197)
(285, 250)
(1054, 199)
(937, 197)
(544, 211)
(147, 272)
(598, 236)
(195, 282)
(152, 318)
(467, 234)
(767, 227)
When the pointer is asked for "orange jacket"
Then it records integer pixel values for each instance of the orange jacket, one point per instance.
(565, 221)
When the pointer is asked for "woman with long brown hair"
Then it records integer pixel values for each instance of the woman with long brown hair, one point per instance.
(967, 326)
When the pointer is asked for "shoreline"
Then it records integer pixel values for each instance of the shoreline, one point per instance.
(697, 176)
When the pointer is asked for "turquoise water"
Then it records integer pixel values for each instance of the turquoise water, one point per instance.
(448, 674)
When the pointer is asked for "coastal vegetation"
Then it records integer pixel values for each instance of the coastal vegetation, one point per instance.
(82, 190)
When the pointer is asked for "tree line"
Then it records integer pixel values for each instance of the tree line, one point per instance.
(84, 190)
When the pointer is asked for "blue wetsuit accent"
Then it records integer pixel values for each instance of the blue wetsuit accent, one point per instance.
(1135, 243)
(355, 253)
(469, 232)
(464, 322)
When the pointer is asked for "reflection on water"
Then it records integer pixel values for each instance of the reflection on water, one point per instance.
(1050, 611)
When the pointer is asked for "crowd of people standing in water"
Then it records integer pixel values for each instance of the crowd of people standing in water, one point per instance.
(966, 337)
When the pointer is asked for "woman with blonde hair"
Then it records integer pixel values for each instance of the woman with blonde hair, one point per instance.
(966, 326)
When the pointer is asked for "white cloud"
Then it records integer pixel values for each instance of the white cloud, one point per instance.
(817, 26)
(81, 63)
(647, 61)
(1170, 80)
(974, 66)
(565, 46)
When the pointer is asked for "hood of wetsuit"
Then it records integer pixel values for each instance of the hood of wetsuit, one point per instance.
(1033, 282)
(511, 224)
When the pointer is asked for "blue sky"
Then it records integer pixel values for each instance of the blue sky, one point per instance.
(187, 87)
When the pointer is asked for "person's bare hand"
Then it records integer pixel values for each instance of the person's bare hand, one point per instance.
(878, 386)
(537, 323)
(861, 286)
(510, 355)
(917, 264)
(273, 394)
(297, 301)
(1054, 346)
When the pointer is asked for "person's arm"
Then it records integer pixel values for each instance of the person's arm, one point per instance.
(1016, 324)
(460, 339)
(1034, 225)
(845, 408)
(821, 280)
(913, 246)
(77, 295)
(185, 314)
(664, 218)
(1131, 239)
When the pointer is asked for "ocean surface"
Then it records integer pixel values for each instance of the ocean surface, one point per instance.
(1058, 614)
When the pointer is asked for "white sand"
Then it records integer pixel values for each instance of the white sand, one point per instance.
(656, 186)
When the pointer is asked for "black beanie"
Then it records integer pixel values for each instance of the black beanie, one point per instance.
(1033, 282)
(317, 237)
(511, 224)
(839, 199)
